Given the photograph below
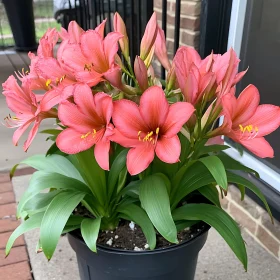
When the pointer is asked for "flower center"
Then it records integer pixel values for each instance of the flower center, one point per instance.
(151, 136)
(57, 81)
(88, 66)
(84, 136)
(248, 129)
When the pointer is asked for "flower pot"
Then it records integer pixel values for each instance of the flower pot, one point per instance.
(176, 262)
(21, 19)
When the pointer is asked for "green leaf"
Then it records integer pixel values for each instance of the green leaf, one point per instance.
(42, 180)
(196, 176)
(92, 173)
(55, 219)
(118, 165)
(155, 200)
(54, 132)
(236, 179)
(13, 170)
(138, 216)
(231, 164)
(167, 169)
(90, 229)
(54, 164)
(212, 149)
(242, 191)
(132, 189)
(31, 223)
(74, 222)
(211, 193)
(185, 147)
(54, 150)
(218, 219)
(40, 200)
(217, 169)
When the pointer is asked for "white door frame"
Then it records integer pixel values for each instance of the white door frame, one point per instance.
(267, 174)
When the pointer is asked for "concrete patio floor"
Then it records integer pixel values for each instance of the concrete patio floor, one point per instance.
(216, 261)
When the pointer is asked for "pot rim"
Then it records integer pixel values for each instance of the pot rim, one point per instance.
(106, 249)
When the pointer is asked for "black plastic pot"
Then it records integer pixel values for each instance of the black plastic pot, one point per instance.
(21, 19)
(177, 262)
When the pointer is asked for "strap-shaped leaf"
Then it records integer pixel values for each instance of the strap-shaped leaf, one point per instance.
(54, 164)
(217, 169)
(196, 176)
(180, 225)
(155, 200)
(138, 215)
(218, 219)
(211, 193)
(232, 164)
(55, 219)
(90, 229)
(92, 173)
(212, 149)
(234, 178)
(115, 170)
(42, 180)
(31, 223)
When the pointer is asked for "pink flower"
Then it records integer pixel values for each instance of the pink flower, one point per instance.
(150, 128)
(249, 121)
(160, 49)
(91, 60)
(226, 68)
(88, 124)
(149, 38)
(22, 101)
(194, 75)
(119, 26)
(47, 43)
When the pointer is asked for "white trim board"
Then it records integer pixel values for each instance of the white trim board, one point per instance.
(267, 174)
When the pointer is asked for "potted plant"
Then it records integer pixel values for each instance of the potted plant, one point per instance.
(137, 165)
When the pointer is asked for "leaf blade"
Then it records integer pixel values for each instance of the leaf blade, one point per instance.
(90, 229)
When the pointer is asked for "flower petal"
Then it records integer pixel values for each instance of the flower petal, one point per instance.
(266, 119)
(69, 141)
(139, 158)
(32, 134)
(103, 106)
(154, 107)
(259, 146)
(127, 118)
(111, 46)
(247, 104)
(50, 99)
(168, 149)
(70, 115)
(101, 153)
(123, 140)
(179, 113)
(18, 133)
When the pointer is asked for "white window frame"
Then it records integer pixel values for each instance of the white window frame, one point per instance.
(267, 174)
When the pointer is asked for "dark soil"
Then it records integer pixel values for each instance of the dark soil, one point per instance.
(126, 238)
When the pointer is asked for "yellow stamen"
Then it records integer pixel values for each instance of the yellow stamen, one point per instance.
(250, 128)
(48, 82)
(85, 135)
(88, 67)
(157, 130)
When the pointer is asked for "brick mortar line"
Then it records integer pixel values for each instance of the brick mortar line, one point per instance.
(258, 221)
(261, 244)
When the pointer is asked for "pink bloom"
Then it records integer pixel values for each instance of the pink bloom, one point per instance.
(249, 121)
(149, 38)
(73, 34)
(119, 26)
(226, 68)
(150, 128)
(141, 73)
(47, 43)
(88, 124)
(160, 49)
(92, 59)
(22, 101)
(193, 75)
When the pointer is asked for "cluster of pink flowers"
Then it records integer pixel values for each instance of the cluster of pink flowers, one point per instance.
(85, 88)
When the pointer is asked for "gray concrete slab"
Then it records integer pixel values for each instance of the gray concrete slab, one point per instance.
(216, 261)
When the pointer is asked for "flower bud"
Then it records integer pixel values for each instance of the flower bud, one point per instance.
(140, 71)
(119, 26)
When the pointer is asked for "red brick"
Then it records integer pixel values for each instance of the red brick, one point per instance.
(158, 3)
(190, 39)
(4, 238)
(268, 241)
(190, 23)
(4, 177)
(7, 210)
(7, 197)
(17, 254)
(242, 218)
(17, 271)
(190, 8)
(8, 225)
(6, 187)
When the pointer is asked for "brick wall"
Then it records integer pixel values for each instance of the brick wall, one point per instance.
(254, 220)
